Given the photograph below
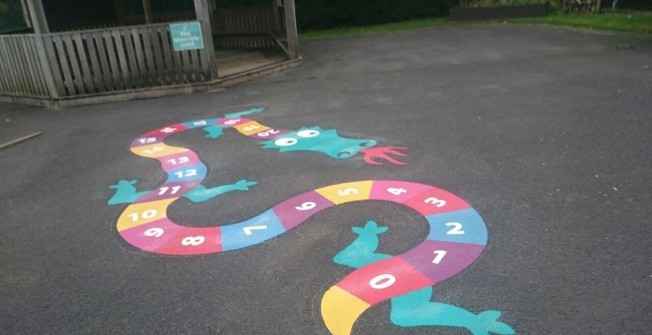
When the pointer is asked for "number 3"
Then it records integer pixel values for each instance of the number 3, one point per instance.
(436, 202)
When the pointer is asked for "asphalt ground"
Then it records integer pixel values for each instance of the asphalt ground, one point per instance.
(545, 131)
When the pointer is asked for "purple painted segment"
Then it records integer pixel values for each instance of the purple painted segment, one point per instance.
(169, 190)
(294, 211)
(151, 235)
(427, 258)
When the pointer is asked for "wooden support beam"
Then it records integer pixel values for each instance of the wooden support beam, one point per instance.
(37, 15)
(203, 11)
(291, 29)
(147, 9)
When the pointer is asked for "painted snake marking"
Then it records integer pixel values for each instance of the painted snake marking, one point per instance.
(456, 239)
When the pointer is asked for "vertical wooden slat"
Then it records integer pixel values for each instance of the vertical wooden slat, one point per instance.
(43, 90)
(87, 76)
(100, 41)
(94, 57)
(131, 58)
(144, 54)
(56, 70)
(168, 53)
(154, 54)
(10, 78)
(122, 59)
(140, 57)
(29, 54)
(65, 68)
(74, 63)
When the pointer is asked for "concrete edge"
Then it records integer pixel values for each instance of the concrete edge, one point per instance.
(157, 92)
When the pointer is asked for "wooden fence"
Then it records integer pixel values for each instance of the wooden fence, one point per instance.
(21, 69)
(116, 59)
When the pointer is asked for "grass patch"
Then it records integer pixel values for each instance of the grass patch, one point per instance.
(375, 29)
(631, 23)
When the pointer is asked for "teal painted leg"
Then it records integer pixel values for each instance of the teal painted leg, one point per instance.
(125, 192)
(416, 309)
(201, 193)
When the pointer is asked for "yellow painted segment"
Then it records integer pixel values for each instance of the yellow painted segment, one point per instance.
(157, 150)
(340, 309)
(347, 192)
(140, 214)
(251, 128)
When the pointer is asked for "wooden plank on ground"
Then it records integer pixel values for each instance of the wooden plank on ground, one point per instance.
(19, 140)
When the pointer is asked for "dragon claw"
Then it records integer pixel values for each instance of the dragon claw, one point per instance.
(383, 153)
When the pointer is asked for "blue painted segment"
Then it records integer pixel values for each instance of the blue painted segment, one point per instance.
(251, 232)
(462, 226)
(200, 123)
(186, 173)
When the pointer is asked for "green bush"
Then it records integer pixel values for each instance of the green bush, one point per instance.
(11, 15)
(323, 14)
(491, 3)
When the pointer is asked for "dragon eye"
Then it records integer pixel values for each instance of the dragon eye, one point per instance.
(286, 142)
(308, 133)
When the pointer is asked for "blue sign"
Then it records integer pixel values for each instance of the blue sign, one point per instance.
(186, 36)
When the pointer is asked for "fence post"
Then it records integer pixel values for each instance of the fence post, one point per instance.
(40, 26)
(291, 28)
(203, 11)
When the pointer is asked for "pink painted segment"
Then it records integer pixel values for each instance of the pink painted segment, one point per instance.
(384, 280)
(152, 235)
(147, 140)
(231, 122)
(166, 131)
(193, 241)
(396, 191)
(176, 161)
(440, 260)
(435, 201)
(169, 190)
(269, 134)
(296, 210)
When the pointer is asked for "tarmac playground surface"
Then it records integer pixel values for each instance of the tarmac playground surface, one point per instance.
(546, 132)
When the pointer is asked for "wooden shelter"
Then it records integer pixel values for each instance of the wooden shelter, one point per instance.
(132, 56)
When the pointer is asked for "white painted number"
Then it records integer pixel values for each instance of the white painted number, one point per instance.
(247, 230)
(396, 191)
(200, 123)
(382, 281)
(232, 122)
(440, 255)
(306, 206)
(147, 140)
(187, 173)
(456, 230)
(168, 130)
(268, 132)
(193, 240)
(180, 160)
(154, 232)
(148, 214)
(250, 128)
(348, 191)
(164, 190)
(436, 202)
(152, 150)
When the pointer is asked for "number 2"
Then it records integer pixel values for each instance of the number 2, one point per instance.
(456, 230)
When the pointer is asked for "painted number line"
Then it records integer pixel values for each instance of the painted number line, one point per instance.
(248, 230)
